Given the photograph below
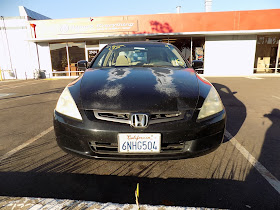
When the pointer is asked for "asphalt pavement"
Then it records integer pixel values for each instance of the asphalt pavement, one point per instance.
(243, 173)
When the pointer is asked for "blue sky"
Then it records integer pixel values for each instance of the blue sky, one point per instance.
(92, 8)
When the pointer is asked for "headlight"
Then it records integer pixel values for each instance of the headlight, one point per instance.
(67, 106)
(211, 105)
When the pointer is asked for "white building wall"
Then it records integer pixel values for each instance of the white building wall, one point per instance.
(34, 62)
(229, 55)
(5, 63)
(15, 60)
(45, 58)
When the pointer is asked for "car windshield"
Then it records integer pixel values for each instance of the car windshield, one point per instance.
(143, 55)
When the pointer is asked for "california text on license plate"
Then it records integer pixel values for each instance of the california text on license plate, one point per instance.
(139, 142)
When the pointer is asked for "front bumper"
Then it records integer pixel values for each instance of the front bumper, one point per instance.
(187, 139)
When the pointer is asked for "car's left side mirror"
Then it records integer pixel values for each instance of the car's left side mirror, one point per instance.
(82, 65)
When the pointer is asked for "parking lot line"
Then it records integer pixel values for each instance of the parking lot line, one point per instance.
(13, 151)
(15, 99)
(50, 203)
(253, 77)
(276, 97)
(25, 84)
(8, 83)
(272, 180)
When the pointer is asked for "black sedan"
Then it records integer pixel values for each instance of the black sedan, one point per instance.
(139, 101)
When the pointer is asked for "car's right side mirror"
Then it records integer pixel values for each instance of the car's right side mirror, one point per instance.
(194, 67)
(82, 65)
(197, 64)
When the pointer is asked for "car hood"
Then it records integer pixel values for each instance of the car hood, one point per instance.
(139, 89)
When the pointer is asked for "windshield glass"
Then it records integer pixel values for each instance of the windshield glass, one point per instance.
(141, 54)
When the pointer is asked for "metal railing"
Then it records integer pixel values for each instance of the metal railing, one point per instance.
(267, 70)
(8, 74)
(41, 74)
(66, 73)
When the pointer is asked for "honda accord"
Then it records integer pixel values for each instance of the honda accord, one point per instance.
(139, 101)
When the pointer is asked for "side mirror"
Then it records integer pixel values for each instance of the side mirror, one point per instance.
(194, 67)
(197, 64)
(82, 65)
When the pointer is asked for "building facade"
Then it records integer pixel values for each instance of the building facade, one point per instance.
(228, 43)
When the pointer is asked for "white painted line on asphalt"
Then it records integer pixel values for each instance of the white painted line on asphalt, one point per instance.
(276, 97)
(13, 151)
(4, 94)
(254, 77)
(42, 203)
(272, 180)
(15, 99)
(10, 87)
(19, 82)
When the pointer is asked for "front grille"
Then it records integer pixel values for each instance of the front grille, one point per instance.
(154, 118)
(112, 116)
(104, 147)
(113, 147)
(160, 116)
(119, 116)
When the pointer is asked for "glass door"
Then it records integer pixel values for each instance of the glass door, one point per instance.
(267, 54)
(277, 67)
(64, 58)
(76, 51)
(59, 59)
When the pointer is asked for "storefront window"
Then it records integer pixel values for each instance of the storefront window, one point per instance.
(184, 45)
(59, 59)
(198, 48)
(64, 57)
(278, 59)
(76, 53)
(266, 54)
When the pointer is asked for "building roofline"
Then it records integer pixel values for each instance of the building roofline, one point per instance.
(23, 11)
(200, 33)
(191, 24)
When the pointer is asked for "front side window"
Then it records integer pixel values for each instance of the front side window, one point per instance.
(143, 55)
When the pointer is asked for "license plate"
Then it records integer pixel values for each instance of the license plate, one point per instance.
(139, 142)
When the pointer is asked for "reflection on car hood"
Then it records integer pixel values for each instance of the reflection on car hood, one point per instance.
(139, 89)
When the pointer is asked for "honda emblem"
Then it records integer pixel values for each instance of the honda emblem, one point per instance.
(139, 120)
